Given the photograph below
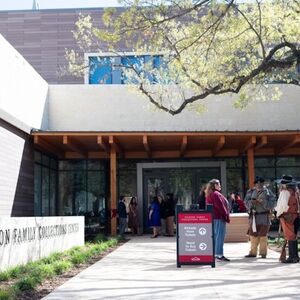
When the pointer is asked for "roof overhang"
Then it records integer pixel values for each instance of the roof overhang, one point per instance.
(68, 145)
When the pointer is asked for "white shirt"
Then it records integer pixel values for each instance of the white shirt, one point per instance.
(282, 203)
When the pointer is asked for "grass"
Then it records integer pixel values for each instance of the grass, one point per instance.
(27, 277)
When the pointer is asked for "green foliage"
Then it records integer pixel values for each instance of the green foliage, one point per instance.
(52, 258)
(61, 266)
(79, 258)
(100, 238)
(27, 283)
(15, 272)
(4, 295)
(4, 276)
(32, 274)
(210, 49)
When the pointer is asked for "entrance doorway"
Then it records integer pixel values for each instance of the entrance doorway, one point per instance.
(183, 180)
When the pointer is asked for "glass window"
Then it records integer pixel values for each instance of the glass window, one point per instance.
(45, 192)
(46, 160)
(52, 193)
(108, 70)
(235, 181)
(264, 162)
(94, 165)
(233, 162)
(37, 157)
(100, 70)
(45, 174)
(294, 171)
(288, 161)
(181, 186)
(37, 189)
(127, 182)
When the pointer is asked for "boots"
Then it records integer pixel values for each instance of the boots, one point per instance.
(292, 253)
(296, 251)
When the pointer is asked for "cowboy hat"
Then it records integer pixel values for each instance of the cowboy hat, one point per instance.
(258, 179)
(288, 180)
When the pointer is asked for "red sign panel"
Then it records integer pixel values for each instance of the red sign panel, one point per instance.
(194, 218)
(195, 258)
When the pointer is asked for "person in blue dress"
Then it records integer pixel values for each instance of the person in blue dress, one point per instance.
(154, 217)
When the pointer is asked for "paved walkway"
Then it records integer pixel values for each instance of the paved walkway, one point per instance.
(145, 268)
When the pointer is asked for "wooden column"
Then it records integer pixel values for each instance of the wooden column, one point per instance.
(113, 190)
(250, 158)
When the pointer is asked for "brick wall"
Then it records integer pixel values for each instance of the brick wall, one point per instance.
(16, 172)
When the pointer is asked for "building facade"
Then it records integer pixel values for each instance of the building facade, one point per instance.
(81, 146)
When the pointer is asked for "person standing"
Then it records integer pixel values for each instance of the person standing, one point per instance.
(288, 210)
(259, 202)
(170, 214)
(133, 217)
(163, 217)
(201, 198)
(221, 216)
(154, 217)
(122, 215)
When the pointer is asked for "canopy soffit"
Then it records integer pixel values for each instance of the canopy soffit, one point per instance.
(166, 144)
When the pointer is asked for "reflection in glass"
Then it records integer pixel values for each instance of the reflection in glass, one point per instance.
(45, 192)
(181, 185)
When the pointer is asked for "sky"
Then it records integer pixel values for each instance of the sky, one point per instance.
(45, 4)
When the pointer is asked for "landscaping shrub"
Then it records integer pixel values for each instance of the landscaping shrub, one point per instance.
(78, 258)
(4, 295)
(61, 266)
(27, 283)
(100, 238)
(4, 276)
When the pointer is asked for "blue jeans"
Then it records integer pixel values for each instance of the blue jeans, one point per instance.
(122, 225)
(220, 231)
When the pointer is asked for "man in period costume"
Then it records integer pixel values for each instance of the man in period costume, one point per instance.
(288, 212)
(259, 201)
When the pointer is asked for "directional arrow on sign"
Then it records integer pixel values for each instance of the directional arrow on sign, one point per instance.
(202, 231)
(202, 246)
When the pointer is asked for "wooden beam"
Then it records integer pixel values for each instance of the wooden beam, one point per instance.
(262, 143)
(46, 146)
(220, 144)
(113, 190)
(113, 142)
(102, 143)
(293, 142)
(74, 146)
(251, 171)
(146, 145)
(183, 145)
(250, 144)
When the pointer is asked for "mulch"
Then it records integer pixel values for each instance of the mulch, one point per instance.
(51, 284)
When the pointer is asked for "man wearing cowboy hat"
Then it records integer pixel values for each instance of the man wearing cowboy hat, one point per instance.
(288, 212)
(259, 202)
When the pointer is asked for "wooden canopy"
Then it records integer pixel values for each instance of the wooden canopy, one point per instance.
(166, 144)
(110, 145)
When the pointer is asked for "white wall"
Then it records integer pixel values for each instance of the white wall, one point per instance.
(116, 108)
(28, 239)
(23, 92)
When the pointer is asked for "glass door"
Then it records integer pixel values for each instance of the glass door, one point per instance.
(155, 184)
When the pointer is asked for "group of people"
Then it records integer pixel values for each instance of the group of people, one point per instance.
(260, 203)
(161, 215)
(133, 216)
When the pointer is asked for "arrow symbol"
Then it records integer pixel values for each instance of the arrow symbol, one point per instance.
(202, 246)
(202, 231)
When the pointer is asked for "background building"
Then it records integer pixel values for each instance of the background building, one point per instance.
(69, 148)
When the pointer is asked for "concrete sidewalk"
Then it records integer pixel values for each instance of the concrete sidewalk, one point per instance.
(145, 268)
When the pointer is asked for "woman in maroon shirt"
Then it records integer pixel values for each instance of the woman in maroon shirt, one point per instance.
(221, 216)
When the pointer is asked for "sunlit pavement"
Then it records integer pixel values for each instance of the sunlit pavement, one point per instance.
(145, 268)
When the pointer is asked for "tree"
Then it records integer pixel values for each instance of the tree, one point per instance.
(207, 47)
